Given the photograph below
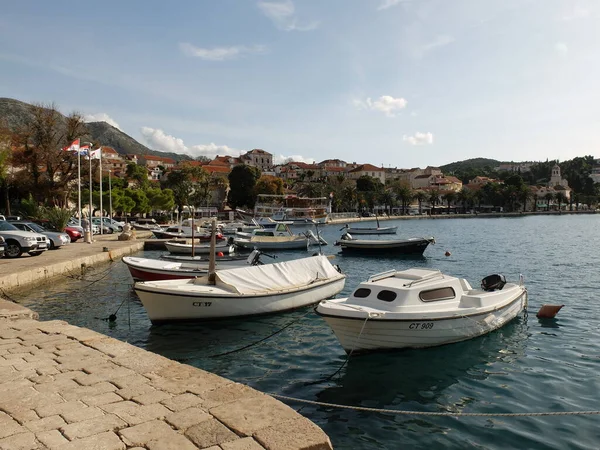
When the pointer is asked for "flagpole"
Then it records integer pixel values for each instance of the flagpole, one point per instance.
(79, 185)
(90, 209)
(101, 210)
(109, 195)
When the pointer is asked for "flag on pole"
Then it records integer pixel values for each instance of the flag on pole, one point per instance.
(74, 147)
(84, 150)
(96, 154)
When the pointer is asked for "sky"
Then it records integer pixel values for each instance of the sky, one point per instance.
(394, 83)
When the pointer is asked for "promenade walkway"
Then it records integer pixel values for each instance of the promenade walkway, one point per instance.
(70, 388)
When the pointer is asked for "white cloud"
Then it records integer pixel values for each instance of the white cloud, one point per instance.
(385, 4)
(157, 139)
(439, 41)
(280, 159)
(419, 139)
(577, 12)
(283, 16)
(385, 104)
(220, 53)
(101, 117)
(561, 48)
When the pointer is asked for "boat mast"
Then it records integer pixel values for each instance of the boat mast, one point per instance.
(211, 259)
(192, 210)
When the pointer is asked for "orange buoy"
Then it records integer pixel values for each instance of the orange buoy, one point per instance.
(447, 253)
(548, 311)
(219, 253)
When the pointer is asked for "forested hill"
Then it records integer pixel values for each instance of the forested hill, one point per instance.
(470, 164)
(15, 114)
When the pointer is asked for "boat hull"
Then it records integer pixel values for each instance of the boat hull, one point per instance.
(168, 307)
(388, 334)
(403, 247)
(382, 230)
(277, 245)
(186, 249)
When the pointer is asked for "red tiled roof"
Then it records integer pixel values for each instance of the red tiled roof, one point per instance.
(367, 168)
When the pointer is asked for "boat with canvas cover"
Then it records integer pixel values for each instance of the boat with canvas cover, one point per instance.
(410, 246)
(240, 292)
(418, 308)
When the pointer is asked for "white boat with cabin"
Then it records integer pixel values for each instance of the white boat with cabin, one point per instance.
(291, 208)
(183, 248)
(279, 237)
(417, 308)
(246, 291)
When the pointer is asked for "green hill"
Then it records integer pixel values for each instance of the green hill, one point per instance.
(15, 114)
(470, 164)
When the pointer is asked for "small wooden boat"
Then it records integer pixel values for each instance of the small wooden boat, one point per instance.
(371, 230)
(246, 291)
(418, 308)
(412, 246)
(180, 248)
(179, 231)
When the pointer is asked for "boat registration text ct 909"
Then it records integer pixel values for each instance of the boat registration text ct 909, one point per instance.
(421, 326)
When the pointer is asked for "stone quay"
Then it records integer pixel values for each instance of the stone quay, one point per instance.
(65, 387)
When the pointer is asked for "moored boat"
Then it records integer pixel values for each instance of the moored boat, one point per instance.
(371, 230)
(417, 308)
(180, 248)
(410, 246)
(246, 291)
(278, 238)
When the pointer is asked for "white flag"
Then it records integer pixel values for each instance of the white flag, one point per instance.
(96, 154)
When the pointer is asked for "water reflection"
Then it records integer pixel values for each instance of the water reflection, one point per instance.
(422, 375)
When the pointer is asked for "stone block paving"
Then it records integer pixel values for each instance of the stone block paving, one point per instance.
(64, 387)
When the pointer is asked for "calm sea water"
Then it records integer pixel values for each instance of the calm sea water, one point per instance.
(527, 366)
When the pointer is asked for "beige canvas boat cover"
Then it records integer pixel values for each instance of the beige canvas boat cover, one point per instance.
(285, 275)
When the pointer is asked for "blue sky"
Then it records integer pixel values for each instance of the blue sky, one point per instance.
(400, 83)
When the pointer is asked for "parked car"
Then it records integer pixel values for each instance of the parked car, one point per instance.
(75, 233)
(19, 242)
(55, 239)
(73, 222)
(2, 246)
(107, 227)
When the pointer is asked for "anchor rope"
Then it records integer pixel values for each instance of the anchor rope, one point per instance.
(433, 413)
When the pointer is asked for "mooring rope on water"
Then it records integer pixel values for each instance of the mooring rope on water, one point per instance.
(433, 413)
(261, 340)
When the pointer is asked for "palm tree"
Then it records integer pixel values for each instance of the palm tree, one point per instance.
(420, 196)
(464, 196)
(524, 194)
(560, 198)
(449, 197)
(478, 197)
(404, 194)
(549, 197)
(434, 197)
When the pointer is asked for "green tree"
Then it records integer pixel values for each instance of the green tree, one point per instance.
(142, 205)
(420, 196)
(560, 199)
(137, 173)
(449, 197)
(160, 199)
(242, 181)
(434, 198)
(464, 197)
(268, 184)
(549, 197)
(403, 193)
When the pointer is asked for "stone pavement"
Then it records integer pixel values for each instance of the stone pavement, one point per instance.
(64, 387)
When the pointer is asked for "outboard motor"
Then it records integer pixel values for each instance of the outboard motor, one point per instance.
(493, 282)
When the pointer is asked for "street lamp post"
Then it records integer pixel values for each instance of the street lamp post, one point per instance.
(109, 196)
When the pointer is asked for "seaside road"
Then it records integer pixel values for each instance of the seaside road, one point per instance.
(64, 387)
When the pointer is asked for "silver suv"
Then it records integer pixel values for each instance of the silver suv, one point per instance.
(19, 242)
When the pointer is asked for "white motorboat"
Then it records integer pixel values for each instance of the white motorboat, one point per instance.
(146, 269)
(278, 238)
(234, 227)
(371, 230)
(185, 230)
(246, 291)
(420, 308)
(181, 248)
(410, 246)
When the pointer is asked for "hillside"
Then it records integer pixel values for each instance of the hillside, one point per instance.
(15, 114)
(474, 163)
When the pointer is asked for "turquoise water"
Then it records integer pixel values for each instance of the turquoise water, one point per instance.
(527, 366)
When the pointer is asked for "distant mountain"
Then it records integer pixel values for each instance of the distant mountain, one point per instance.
(15, 114)
(474, 163)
